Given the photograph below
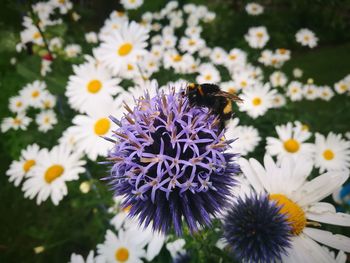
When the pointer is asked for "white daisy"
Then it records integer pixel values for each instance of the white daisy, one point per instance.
(17, 104)
(91, 86)
(72, 50)
(278, 79)
(88, 129)
(131, 4)
(122, 46)
(310, 91)
(46, 120)
(278, 101)
(290, 142)
(91, 37)
(218, 55)
(295, 91)
(28, 159)
(48, 101)
(254, 9)
(300, 199)
(208, 74)
(306, 38)
(325, 93)
(332, 153)
(297, 73)
(33, 93)
(247, 137)
(48, 177)
(75, 258)
(342, 87)
(123, 248)
(21, 121)
(257, 37)
(257, 100)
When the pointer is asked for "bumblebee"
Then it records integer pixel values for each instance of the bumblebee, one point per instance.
(212, 97)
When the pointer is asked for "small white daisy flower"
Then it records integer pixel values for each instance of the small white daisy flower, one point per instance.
(49, 176)
(28, 159)
(46, 120)
(291, 141)
(306, 38)
(332, 153)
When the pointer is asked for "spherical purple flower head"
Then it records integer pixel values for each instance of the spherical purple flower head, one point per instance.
(256, 231)
(169, 163)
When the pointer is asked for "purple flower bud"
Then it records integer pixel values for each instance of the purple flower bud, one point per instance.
(169, 163)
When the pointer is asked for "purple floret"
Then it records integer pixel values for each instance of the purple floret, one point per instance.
(169, 163)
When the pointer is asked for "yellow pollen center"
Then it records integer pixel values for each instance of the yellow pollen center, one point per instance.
(19, 104)
(343, 87)
(35, 94)
(36, 35)
(102, 126)
(294, 90)
(328, 154)
(177, 58)
(28, 164)
(256, 101)
(259, 35)
(291, 145)
(294, 213)
(94, 86)
(17, 121)
(282, 51)
(130, 67)
(53, 172)
(125, 49)
(306, 38)
(232, 57)
(121, 254)
(207, 77)
(191, 42)
(244, 83)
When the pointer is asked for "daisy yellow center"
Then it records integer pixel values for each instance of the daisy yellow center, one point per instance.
(53, 172)
(282, 51)
(256, 101)
(328, 154)
(191, 42)
(130, 67)
(343, 87)
(125, 49)
(28, 164)
(47, 120)
(291, 145)
(35, 93)
(232, 57)
(244, 83)
(177, 58)
(36, 35)
(207, 77)
(295, 90)
(61, 1)
(306, 38)
(294, 213)
(259, 35)
(121, 254)
(19, 104)
(17, 121)
(94, 86)
(102, 126)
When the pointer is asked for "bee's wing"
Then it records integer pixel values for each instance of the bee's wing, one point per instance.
(228, 95)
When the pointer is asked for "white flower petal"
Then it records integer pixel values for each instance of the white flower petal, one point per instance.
(327, 238)
(320, 187)
(326, 213)
(250, 175)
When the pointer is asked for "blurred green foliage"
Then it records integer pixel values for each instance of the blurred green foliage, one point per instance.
(79, 222)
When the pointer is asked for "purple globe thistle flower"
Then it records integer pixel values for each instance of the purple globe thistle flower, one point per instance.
(256, 231)
(169, 163)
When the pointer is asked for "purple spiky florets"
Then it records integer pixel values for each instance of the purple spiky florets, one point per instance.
(169, 163)
(256, 230)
